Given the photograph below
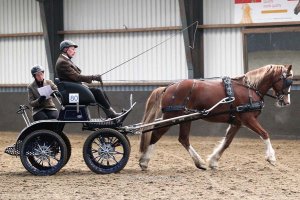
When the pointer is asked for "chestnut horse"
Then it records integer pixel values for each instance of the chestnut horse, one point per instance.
(198, 95)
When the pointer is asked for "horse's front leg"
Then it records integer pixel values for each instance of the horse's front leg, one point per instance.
(218, 151)
(270, 153)
(254, 125)
(184, 140)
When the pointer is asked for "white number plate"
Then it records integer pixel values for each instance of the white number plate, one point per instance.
(73, 98)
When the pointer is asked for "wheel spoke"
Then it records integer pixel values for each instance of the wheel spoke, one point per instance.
(115, 142)
(117, 152)
(101, 140)
(49, 162)
(96, 143)
(53, 157)
(39, 161)
(94, 150)
(113, 157)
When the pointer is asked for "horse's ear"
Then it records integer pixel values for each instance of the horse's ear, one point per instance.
(289, 67)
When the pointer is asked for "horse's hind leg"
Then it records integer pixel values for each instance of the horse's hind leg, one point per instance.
(184, 140)
(218, 151)
(145, 157)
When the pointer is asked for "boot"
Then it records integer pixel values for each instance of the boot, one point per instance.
(111, 113)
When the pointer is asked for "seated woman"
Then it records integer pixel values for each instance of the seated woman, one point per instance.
(42, 108)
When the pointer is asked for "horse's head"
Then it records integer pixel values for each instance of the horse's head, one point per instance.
(297, 8)
(282, 86)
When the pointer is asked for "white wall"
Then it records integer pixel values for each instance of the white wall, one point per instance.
(223, 48)
(98, 53)
(19, 54)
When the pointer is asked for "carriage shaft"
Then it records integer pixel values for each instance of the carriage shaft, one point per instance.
(142, 128)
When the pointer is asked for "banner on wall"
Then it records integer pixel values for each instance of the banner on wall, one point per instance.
(257, 11)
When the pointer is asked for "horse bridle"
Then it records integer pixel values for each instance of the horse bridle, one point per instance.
(278, 95)
(285, 84)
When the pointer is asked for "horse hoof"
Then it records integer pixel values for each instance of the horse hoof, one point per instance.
(272, 162)
(203, 167)
(143, 167)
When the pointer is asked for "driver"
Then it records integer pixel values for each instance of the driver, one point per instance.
(66, 70)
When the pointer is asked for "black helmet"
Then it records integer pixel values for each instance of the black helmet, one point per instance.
(36, 69)
(66, 44)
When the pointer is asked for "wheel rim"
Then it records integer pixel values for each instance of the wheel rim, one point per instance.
(106, 151)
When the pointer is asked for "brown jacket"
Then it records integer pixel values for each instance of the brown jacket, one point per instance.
(33, 96)
(66, 70)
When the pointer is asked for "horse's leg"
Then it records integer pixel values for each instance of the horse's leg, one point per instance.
(254, 125)
(184, 140)
(145, 157)
(224, 144)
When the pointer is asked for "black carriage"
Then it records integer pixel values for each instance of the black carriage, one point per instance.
(44, 148)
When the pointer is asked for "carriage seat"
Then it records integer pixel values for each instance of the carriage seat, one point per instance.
(71, 111)
(86, 97)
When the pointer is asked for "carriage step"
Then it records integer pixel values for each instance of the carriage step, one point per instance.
(12, 150)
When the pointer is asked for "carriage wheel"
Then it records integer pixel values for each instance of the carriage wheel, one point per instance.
(43, 153)
(106, 151)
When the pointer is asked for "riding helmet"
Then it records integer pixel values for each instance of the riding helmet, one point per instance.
(36, 69)
(66, 44)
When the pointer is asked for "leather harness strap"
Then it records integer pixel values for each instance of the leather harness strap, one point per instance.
(229, 93)
(174, 108)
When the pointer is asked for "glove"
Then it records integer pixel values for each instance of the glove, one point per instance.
(56, 93)
(41, 99)
(97, 78)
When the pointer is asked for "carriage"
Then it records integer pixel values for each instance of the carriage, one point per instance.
(44, 148)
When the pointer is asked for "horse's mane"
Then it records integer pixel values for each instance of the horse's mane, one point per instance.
(254, 77)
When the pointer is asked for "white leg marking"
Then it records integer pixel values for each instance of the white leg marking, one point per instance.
(145, 157)
(215, 156)
(199, 162)
(270, 153)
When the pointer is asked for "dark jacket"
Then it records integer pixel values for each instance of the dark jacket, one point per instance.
(33, 96)
(66, 70)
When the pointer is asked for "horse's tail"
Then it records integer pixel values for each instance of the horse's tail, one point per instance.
(152, 112)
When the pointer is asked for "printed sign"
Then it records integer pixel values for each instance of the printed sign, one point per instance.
(258, 11)
(73, 98)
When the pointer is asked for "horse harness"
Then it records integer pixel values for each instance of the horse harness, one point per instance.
(249, 107)
(174, 108)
